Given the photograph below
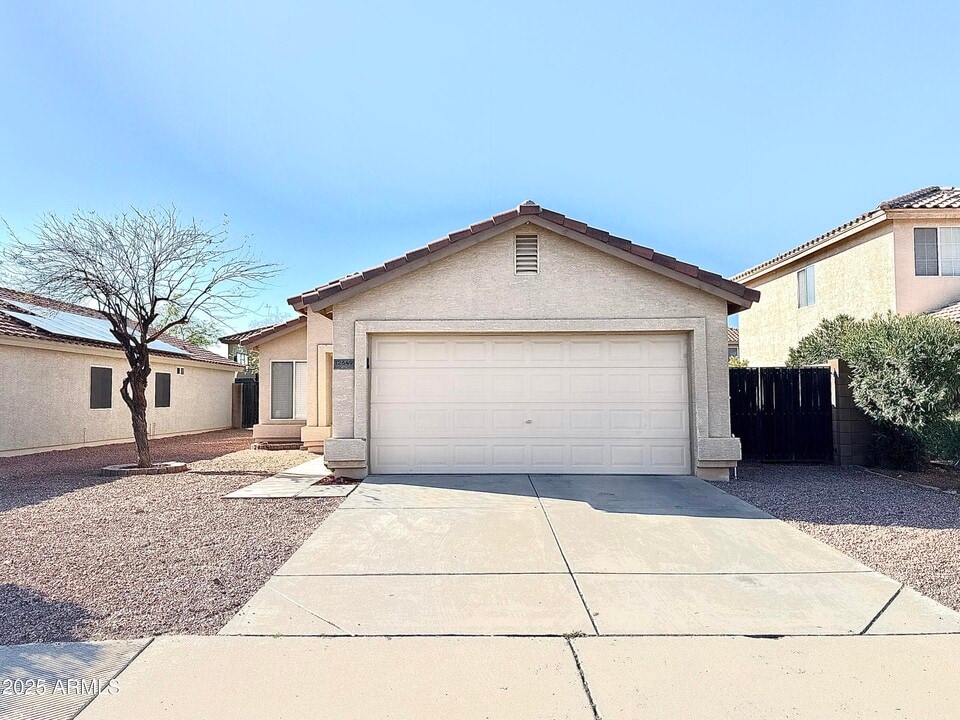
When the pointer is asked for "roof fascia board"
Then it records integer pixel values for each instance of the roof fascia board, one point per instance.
(68, 347)
(642, 262)
(849, 232)
(735, 302)
(274, 334)
(923, 213)
(427, 259)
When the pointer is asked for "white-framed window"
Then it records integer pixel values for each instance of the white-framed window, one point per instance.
(288, 390)
(806, 287)
(936, 251)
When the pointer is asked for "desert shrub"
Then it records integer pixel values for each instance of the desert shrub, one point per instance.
(905, 369)
(905, 375)
(736, 361)
(897, 447)
(824, 343)
(941, 439)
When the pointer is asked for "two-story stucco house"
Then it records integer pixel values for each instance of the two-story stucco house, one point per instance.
(901, 257)
(528, 342)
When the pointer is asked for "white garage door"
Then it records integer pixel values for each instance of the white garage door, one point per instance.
(529, 403)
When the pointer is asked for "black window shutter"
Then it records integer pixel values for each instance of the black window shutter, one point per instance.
(161, 397)
(101, 388)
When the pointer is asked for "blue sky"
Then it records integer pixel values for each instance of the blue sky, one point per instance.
(338, 135)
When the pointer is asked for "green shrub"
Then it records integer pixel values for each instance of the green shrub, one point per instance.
(905, 369)
(824, 343)
(905, 376)
(942, 439)
(897, 447)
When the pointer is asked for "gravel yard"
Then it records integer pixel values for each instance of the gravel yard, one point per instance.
(86, 558)
(907, 532)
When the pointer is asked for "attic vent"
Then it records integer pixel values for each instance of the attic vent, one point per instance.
(527, 255)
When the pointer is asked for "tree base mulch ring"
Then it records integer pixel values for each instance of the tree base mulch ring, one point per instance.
(164, 468)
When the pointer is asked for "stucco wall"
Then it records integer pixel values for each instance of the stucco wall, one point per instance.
(575, 282)
(289, 345)
(45, 398)
(855, 277)
(927, 292)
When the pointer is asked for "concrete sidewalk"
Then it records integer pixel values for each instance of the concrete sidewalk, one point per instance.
(231, 678)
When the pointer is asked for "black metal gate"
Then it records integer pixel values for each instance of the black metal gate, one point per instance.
(782, 414)
(249, 402)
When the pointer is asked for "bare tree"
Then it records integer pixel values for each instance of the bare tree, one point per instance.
(147, 272)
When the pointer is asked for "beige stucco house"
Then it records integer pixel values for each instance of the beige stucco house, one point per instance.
(901, 257)
(529, 342)
(60, 381)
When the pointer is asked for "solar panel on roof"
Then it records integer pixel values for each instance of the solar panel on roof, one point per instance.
(64, 324)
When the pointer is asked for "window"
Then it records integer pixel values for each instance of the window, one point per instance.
(161, 390)
(806, 291)
(926, 258)
(101, 388)
(288, 390)
(180, 371)
(732, 351)
(936, 251)
(527, 255)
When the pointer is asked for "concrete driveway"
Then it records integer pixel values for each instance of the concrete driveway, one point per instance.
(517, 597)
(571, 555)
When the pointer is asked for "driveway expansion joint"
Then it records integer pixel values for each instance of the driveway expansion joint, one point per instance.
(573, 577)
(883, 609)
(583, 679)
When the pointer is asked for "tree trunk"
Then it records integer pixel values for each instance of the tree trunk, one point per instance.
(134, 394)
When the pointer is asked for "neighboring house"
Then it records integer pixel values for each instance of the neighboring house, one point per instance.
(529, 342)
(60, 376)
(238, 350)
(902, 257)
(733, 342)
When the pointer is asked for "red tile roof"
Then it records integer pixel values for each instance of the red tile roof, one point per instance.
(733, 336)
(935, 197)
(15, 327)
(249, 338)
(949, 312)
(531, 210)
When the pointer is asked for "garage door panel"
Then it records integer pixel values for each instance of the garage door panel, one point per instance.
(393, 420)
(557, 403)
(485, 351)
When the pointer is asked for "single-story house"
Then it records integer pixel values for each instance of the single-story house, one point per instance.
(60, 376)
(528, 342)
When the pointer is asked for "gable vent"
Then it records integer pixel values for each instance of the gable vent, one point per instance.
(527, 255)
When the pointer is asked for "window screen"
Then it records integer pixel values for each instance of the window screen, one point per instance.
(950, 251)
(281, 390)
(161, 390)
(101, 388)
(806, 289)
(925, 255)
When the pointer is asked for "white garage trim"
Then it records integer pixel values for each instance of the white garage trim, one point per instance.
(694, 327)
